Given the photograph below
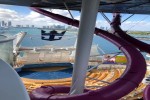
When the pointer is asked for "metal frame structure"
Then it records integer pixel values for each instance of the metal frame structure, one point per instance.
(84, 42)
(122, 6)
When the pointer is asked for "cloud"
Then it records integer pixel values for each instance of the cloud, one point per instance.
(102, 23)
(136, 25)
(77, 17)
(61, 12)
(33, 18)
(7, 14)
(33, 15)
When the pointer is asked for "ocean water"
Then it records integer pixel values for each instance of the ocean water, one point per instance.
(33, 39)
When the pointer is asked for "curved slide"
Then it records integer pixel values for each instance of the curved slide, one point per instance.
(133, 75)
(146, 95)
(119, 32)
(135, 42)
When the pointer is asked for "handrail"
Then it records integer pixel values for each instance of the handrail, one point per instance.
(92, 68)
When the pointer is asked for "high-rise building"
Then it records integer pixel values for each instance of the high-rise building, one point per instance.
(9, 24)
(3, 23)
(18, 26)
(27, 26)
(32, 26)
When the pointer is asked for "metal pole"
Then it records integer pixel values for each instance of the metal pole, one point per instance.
(68, 10)
(105, 17)
(84, 42)
(127, 18)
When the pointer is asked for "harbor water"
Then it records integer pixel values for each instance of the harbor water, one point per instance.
(33, 39)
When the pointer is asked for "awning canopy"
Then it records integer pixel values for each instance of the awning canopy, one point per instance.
(110, 6)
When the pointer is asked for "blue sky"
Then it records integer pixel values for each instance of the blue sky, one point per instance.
(25, 16)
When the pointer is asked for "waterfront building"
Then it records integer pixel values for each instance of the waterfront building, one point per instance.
(9, 24)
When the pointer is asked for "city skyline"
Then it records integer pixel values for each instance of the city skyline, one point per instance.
(5, 24)
(8, 24)
(24, 16)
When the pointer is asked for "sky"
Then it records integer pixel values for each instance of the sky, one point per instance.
(24, 16)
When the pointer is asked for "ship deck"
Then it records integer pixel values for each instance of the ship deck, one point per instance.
(95, 79)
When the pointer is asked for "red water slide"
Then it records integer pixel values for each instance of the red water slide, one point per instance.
(115, 25)
(129, 80)
(146, 95)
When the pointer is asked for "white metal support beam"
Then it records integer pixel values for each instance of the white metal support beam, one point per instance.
(84, 42)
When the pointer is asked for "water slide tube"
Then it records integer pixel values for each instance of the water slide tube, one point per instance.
(130, 79)
(146, 95)
(135, 42)
(119, 32)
